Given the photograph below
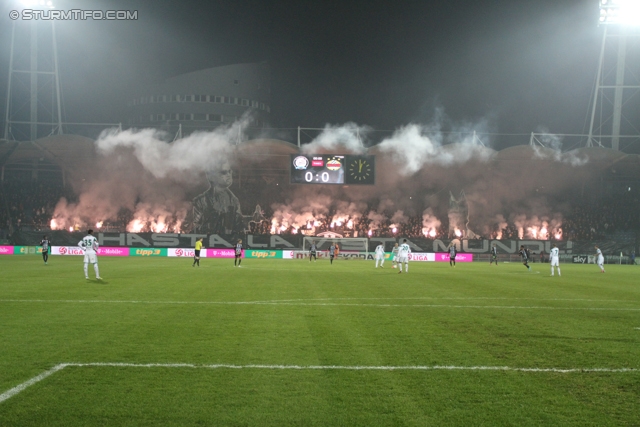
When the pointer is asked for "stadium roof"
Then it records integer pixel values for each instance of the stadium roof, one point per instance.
(54, 152)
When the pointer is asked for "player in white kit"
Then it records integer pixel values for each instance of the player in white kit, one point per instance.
(90, 246)
(380, 255)
(403, 256)
(394, 255)
(599, 259)
(554, 257)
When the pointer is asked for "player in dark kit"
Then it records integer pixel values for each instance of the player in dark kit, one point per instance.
(46, 244)
(312, 251)
(524, 253)
(332, 252)
(238, 258)
(452, 255)
(494, 255)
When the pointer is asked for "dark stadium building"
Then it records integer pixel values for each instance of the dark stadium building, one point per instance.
(204, 99)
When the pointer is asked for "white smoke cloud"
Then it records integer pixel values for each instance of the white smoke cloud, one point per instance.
(141, 172)
(376, 220)
(430, 223)
(551, 148)
(414, 146)
(196, 153)
(399, 217)
(154, 179)
(347, 137)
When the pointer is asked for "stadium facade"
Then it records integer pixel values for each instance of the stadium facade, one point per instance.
(205, 99)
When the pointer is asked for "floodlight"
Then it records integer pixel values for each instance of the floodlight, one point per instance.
(620, 12)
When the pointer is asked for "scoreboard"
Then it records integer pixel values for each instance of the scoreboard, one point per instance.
(332, 169)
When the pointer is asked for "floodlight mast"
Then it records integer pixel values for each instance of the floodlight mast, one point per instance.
(34, 72)
(622, 14)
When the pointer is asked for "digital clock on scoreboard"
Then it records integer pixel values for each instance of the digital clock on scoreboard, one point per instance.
(332, 169)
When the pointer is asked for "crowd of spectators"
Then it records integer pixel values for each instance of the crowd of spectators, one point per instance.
(583, 222)
(30, 205)
(596, 220)
(27, 205)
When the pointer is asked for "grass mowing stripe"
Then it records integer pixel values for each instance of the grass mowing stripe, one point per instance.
(513, 307)
(12, 392)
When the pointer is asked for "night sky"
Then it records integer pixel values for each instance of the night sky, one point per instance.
(519, 65)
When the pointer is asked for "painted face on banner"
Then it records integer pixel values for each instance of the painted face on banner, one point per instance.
(221, 176)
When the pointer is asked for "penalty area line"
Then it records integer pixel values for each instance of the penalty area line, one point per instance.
(21, 387)
(17, 389)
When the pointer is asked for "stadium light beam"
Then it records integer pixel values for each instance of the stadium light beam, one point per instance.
(37, 4)
(620, 12)
(623, 17)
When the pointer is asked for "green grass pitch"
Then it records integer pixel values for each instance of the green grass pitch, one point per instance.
(446, 330)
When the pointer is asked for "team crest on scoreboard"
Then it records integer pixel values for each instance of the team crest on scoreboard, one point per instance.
(301, 163)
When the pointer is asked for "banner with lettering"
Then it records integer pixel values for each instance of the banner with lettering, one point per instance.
(259, 253)
(147, 251)
(6, 250)
(222, 253)
(185, 252)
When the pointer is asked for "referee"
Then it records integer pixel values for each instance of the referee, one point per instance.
(196, 256)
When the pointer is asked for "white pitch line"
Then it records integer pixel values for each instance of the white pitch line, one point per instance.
(303, 304)
(352, 368)
(17, 389)
(447, 298)
(12, 392)
(340, 299)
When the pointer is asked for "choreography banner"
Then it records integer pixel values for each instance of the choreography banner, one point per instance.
(624, 244)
